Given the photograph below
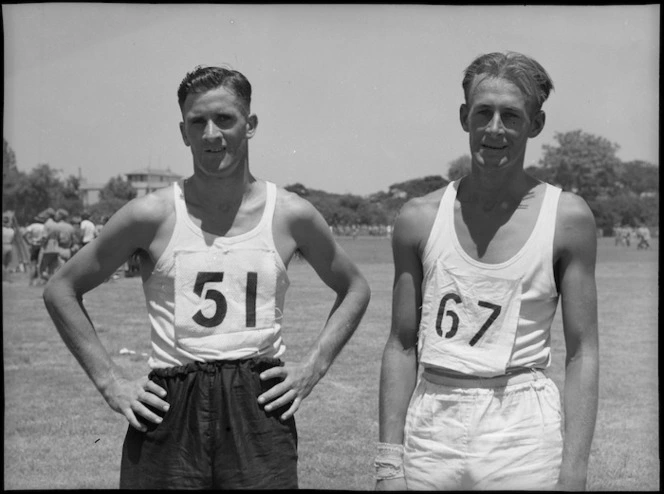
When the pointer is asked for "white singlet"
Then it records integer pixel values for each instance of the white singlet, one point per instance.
(216, 298)
(488, 319)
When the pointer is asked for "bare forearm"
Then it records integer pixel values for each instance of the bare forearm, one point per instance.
(342, 322)
(580, 398)
(397, 382)
(78, 333)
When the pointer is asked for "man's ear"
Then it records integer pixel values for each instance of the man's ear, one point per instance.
(537, 124)
(463, 116)
(184, 136)
(252, 123)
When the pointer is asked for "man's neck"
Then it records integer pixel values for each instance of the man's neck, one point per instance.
(218, 192)
(502, 192)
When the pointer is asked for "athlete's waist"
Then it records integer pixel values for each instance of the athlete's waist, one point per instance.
(257, 364)
(514, 376)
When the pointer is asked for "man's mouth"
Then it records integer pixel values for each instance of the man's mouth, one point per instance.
(493, 147)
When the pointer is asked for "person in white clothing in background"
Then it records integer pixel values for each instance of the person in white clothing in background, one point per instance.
(480, 266)
(88, 229)
(216, 410)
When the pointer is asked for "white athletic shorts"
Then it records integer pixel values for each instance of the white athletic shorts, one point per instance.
(487, 434)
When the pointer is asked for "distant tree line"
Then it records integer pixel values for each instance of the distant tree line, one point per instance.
(619, 193)
(27, 194)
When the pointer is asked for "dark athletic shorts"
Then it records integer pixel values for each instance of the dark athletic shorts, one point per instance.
(215, 434)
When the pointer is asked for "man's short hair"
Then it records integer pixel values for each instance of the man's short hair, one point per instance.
(203, 79)
(524, 72)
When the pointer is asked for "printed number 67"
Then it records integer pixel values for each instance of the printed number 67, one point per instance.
(455, 318)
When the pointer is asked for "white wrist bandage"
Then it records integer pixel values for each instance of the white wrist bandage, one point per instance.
(389, 461)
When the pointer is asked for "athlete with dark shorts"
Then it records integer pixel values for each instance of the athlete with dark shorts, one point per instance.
(216, 410)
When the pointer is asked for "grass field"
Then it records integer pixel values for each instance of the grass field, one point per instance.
(60, 434)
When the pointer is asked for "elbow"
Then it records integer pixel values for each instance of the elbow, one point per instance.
(50, 293)
(54, 290)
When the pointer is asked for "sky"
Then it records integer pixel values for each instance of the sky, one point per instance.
(350, 98)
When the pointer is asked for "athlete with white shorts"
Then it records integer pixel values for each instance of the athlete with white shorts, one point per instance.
(480, 267)
(216, 410)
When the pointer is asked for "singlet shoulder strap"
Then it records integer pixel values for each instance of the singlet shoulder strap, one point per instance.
(178, 199)
(443, 218)
(270, 203)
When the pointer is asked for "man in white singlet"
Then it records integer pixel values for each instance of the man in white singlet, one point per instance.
(480, 267)
(216, 410)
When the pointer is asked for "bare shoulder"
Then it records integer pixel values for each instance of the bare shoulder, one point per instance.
(575, 224)
(154, 207)
(416, 218)
(292, 210)
(143, 218)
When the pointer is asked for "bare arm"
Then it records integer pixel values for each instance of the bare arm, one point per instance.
(129, 229)
(576, 240)
(399, 365)
(314, 240)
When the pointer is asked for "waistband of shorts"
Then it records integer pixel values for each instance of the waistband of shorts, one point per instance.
(258, 364)
(518, 376)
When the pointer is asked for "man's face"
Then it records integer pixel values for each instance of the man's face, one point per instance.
(216, 128)
(499, 122)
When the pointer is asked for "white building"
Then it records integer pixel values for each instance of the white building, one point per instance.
(143, 181)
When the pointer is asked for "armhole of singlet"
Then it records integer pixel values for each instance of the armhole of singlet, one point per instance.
(440, 222)
(177, 206)
(268, 218)
(548, 235)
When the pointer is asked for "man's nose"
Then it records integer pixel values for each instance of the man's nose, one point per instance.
(211, 130)
(496, 124)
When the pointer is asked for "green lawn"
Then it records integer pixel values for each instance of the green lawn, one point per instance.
(60, 434)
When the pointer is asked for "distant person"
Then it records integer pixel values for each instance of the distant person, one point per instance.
(8, 234)
(88, 229)
(643, 235)
(618, 236)
(479, 268)
(34, 236)
(100, 225)
(58, 243)
(77, 236)
(216, 410)
(49, 214)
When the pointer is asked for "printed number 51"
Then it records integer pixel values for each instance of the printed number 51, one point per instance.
(221, 306)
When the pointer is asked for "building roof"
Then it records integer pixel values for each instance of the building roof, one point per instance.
(154, 171)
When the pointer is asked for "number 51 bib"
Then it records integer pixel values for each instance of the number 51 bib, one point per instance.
(221, 291)
(469, 321)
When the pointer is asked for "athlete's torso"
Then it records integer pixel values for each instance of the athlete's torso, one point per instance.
(215, 297)
(488, 306)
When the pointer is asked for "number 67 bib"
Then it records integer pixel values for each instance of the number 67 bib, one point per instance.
(223, 291)
(469, 322)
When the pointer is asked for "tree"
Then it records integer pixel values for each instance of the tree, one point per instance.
(581, 163)
(11, 178)
(34, 192)
(459, 167)
(639, 176)
(117, 188)
(8, 160)
(116, 193)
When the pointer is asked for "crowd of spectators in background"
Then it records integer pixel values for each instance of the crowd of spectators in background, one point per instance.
(46, 244)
